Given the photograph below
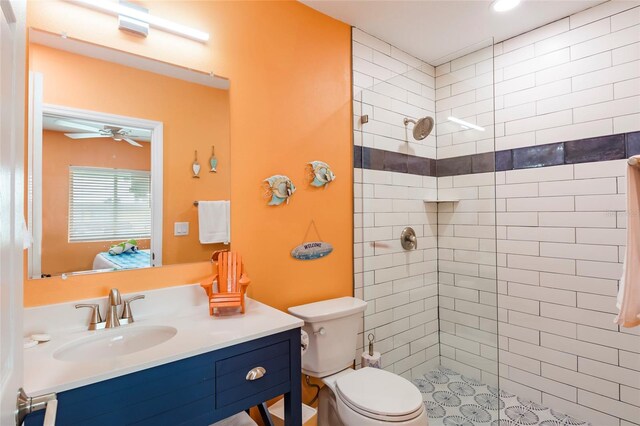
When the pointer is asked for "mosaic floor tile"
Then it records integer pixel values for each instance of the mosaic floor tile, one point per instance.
(452, 399)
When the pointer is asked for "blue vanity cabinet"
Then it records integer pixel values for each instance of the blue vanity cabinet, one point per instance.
(195, 391)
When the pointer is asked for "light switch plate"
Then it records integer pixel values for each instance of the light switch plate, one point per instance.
(180, 229)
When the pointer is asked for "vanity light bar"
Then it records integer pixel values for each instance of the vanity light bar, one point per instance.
(118, 9)
(465, 123)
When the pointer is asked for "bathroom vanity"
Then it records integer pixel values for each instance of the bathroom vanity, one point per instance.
(192, 369)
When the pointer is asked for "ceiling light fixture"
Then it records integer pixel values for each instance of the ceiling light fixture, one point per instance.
(465, 124)
(119, 9)
(504, 5)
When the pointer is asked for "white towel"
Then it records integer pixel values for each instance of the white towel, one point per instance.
(214, 221)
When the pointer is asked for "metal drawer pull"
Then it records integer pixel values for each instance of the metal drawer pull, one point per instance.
(256, 373)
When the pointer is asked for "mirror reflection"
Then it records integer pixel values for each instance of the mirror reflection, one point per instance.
(128, 160)
(101, 173)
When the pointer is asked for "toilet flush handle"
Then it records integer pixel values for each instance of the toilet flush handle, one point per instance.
(320, 331)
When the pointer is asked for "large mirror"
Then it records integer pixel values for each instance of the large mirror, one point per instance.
(128, 160)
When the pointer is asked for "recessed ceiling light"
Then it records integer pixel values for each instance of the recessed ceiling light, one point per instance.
(504, 5)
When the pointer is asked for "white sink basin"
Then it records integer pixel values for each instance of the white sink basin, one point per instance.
(114, 343)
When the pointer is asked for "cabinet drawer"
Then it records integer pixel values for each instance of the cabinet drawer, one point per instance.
(232, 383)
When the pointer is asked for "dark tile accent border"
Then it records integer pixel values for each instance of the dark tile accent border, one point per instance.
(538, 156)
(603, 148)
(421, 166)
(504, 160)
(453, 166)
(595, 149)
(377, 159)
(483, 163)
(395, 162)
(357, 157)
(632, 144)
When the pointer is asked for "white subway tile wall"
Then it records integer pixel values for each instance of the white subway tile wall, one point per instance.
(575, 78)
(560, 229)
(400, 286)
(467, 274)
(558, 273)
(544, 303)
(388, 86)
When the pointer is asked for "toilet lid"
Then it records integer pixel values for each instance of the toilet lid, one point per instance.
(379, 393)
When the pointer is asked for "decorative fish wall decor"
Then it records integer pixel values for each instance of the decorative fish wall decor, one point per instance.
(195, 167)
(213, 161)
(280, 188)
(321, 174)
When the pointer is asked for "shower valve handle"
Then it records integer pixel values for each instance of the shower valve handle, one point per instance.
(408, 239)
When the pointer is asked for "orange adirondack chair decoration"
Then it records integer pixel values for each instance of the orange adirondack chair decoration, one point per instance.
(231, 279)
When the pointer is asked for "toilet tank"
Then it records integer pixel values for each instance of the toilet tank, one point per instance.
(332, 326)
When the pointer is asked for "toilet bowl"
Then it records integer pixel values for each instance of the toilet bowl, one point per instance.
(364, 397)
(370, 397)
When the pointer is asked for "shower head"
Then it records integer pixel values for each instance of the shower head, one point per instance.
(422, 128)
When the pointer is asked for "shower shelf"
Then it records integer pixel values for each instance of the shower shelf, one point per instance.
(441, 200)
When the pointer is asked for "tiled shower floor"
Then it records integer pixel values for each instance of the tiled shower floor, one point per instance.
(452, 399)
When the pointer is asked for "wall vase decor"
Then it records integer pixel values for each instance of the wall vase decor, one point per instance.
(311, 250)
(279, 189)
(321, 174)
(213, 161)
(195, 167)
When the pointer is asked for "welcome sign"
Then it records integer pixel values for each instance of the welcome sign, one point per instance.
(311, 250)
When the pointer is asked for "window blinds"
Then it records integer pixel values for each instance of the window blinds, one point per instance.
(109, 204)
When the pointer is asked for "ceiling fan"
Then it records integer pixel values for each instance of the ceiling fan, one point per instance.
(116, 133)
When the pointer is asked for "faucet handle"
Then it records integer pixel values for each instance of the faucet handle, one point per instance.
(95, 314)
(126, 311)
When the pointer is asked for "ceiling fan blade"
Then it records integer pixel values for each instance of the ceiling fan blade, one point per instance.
(77, 126)
(86, 135)
(131, 142)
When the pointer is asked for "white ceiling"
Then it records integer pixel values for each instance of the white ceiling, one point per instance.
(63, 124)
(437, 31)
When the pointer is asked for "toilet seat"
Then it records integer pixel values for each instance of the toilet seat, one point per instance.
(379, 395)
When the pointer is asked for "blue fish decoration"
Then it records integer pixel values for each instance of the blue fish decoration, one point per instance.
(213, 161)
(321, 173)
(280, 189)
(312, 250)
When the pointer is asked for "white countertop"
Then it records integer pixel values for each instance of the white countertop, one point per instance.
(197, 333)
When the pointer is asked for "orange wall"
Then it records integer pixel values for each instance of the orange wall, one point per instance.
(194, 117)
(290, 103)
(59, 152)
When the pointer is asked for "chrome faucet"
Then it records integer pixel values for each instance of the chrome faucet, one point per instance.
(112, 319)
(115, 300)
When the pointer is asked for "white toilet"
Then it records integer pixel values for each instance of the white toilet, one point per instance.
(364, 397)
